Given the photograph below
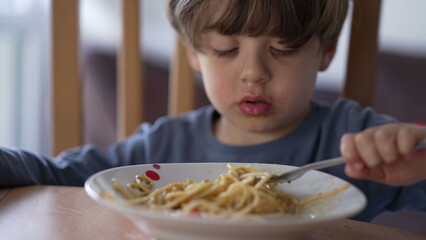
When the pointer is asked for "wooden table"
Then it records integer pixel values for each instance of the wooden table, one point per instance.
(49, 212)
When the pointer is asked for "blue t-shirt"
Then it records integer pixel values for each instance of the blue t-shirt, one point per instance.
(189, 138)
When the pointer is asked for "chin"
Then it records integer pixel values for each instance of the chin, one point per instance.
(261, 128)
(266, 126)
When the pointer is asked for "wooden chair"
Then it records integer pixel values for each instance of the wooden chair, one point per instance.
(66, 86)
(363, 58)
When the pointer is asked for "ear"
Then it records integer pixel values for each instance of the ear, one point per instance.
(328, 51)
(193, 59)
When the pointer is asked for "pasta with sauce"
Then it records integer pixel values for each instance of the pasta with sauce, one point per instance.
(243, 191)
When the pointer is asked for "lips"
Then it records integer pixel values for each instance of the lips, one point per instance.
(255, 105)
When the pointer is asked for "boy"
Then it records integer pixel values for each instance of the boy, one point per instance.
(259, 61)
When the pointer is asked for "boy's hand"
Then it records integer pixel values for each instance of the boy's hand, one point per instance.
(386, 154)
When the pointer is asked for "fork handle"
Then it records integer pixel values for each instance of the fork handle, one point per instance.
(298, 172)
(324, 164)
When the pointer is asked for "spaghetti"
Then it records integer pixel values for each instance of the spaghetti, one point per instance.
(241, 192)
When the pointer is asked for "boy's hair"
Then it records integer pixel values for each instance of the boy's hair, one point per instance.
(295, 21)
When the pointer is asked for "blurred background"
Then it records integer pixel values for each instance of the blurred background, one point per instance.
(25, 69)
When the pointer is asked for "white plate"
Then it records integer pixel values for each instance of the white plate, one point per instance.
(166, 226)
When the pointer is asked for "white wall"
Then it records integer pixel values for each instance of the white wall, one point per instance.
(401, 31)
(402, 27)
(7, 97)
(24, 74)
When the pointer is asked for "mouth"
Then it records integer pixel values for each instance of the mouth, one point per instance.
(255, 105)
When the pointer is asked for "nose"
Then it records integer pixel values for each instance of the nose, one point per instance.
(255, 70)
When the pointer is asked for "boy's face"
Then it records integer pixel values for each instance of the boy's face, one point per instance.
(260, 85)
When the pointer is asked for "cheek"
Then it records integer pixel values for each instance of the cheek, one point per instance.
(307, 73)
(296, 78)
(218, 86)
(305, 85)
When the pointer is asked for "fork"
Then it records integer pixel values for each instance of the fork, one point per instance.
(298, 172)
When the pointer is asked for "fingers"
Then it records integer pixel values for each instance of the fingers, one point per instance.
(350, 153)
(381, 145)
(375, 152)
(407, 140)
(366, 148)
(385, 140)
(375, 174)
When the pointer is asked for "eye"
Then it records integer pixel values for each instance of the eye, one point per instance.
(225, 53)
(290, 52)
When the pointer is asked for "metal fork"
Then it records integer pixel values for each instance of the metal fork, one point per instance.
(298, 172)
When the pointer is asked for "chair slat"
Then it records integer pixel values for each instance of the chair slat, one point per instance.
(130, 82)
(181, 82)
(66, 87)
(362, 67)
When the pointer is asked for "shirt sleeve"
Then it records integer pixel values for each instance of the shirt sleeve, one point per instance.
(73, 167)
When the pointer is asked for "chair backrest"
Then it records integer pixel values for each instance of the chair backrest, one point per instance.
(66, 94)
(363, 57)
(66, 86)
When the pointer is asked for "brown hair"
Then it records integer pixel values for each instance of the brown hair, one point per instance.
(295, 21)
